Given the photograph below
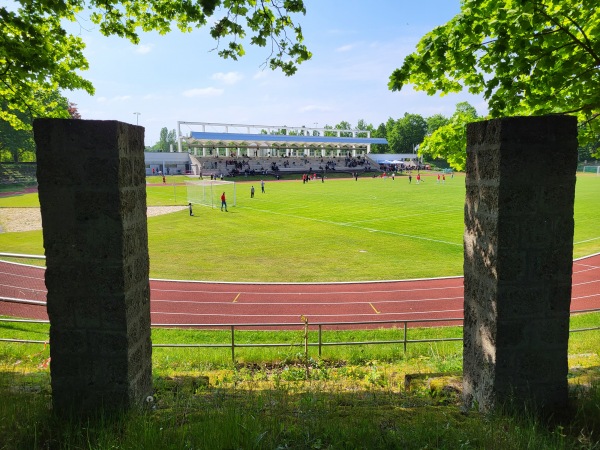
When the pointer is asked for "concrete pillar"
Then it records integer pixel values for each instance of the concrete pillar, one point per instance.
(92, 193)
(518, 257)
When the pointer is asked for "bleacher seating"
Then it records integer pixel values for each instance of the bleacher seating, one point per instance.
(14, 173)
(273, 165)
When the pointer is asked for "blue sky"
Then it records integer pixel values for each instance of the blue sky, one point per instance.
(355, 44)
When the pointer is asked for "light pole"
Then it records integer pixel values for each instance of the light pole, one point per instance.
(137, 118)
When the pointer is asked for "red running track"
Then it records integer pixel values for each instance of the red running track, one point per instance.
(203, 303)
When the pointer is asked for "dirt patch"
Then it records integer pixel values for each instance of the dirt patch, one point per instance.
(28, 219)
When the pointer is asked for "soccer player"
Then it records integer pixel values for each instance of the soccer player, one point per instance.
(223, 202)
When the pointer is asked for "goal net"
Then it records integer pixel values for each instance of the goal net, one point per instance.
(208, 192)
(592, 169)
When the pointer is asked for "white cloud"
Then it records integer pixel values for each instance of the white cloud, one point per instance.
(143, 49)
(203, 92)
(345, 48)
(259, 75)
(228, 78)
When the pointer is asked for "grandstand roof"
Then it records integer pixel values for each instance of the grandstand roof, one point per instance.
(280, 140)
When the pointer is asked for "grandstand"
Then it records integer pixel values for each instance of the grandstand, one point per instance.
(18, 173)
(230, 150)
(225, 139)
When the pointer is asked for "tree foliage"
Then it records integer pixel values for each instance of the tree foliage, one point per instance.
(436, 121)
(406, 133)
(525, 56)
(17, 145)
(380, 132)
(37, 55)
(449, 141)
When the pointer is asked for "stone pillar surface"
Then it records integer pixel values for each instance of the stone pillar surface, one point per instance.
(518, 257)
(92, 192)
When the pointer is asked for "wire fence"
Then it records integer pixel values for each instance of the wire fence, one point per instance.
(401, 325)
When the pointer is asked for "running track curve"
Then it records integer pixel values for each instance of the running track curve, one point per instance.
(191, 303)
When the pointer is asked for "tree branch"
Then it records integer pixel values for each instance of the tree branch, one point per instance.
(565, 30)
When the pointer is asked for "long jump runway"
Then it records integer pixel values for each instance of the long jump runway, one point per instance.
(190, 303)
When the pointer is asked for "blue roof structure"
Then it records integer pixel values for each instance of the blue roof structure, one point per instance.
(281, 140)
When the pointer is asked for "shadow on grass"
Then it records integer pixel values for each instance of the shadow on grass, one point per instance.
(192, 412)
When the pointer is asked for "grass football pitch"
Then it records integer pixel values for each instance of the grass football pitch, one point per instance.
(339, 230)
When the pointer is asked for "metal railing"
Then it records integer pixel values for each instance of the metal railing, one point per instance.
(405, 325)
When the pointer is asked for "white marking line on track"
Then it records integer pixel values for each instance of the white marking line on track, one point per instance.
(583, 283)
(583, 297)
(349, 225)
(312, 304)
(11, 274)
(377, 291)
(22, 287)
(310, 315)
(588, 268)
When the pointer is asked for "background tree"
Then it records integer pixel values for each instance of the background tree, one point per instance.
(17, 144)
(364, 126)
(525, 57)
(38, 55)
(73, 111)
(329, 133)
(163, 141)
(406, 133)
(434, 122)
(343, 125)
(449, 142)
(380, 132)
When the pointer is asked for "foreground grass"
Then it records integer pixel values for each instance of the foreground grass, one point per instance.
(316, 415)
(351, 397)
(340, 230)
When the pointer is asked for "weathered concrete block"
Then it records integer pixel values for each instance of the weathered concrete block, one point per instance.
(91, 179)
(518, 247)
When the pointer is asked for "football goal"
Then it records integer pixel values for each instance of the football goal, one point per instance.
(591, 169)
(208, 192)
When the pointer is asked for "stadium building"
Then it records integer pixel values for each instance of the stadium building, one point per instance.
(204, 145)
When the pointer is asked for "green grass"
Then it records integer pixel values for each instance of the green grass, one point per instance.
(355, 398)
(340, 230)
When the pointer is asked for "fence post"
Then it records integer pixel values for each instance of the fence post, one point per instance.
(233, 343)
(405, 326)
(305, 320)
(320, 338)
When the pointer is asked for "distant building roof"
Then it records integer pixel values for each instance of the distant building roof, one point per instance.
(280, 140)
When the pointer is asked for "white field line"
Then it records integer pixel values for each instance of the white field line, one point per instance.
(349, 225)
(586, 240)
(407, 216)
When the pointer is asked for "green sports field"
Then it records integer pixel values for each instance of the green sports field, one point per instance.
(339, 230)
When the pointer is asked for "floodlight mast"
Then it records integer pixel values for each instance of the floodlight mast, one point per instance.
(179, 137)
